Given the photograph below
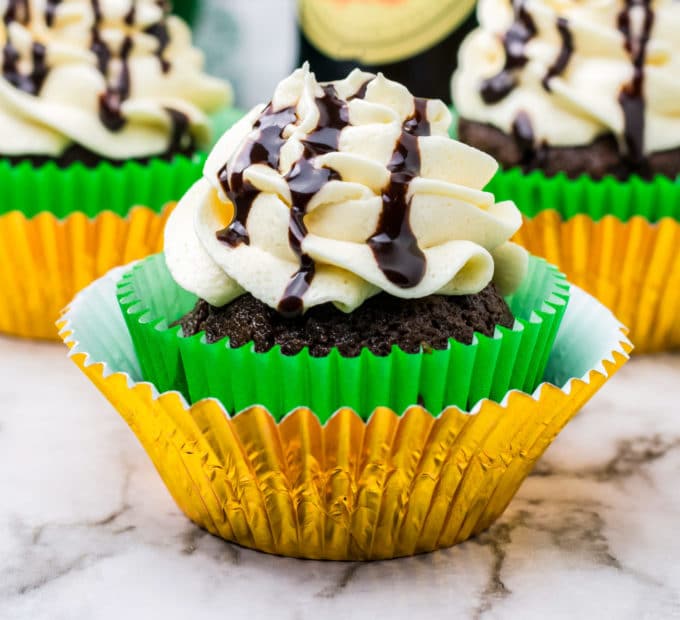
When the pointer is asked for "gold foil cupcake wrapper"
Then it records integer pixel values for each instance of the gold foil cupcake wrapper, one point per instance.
(633, 267)
(348, 489)
(45, 261)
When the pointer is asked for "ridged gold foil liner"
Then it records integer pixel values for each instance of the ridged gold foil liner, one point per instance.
(349, 489)
(45, 261)
(633, 267)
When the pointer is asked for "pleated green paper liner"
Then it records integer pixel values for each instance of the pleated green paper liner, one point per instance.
(460, 375)
(63, 191)
(534, 192)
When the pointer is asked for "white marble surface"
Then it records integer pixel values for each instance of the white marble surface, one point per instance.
(87, 530)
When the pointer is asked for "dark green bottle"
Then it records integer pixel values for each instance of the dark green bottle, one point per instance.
(414, 42)
(186, 9)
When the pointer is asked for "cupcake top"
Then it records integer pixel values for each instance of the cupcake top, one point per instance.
(335, 192)
(564, 72)
(119, 78)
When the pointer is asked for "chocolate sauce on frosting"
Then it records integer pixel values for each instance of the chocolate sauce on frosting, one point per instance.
(117, 92)
(181, 140)
(32, 82)
(17, 11)
(523, 132)
(160, 31)
(263, 148)
(394, 244)
(305, 181)
(523, 29)
(632, 98)
(564, 56)
(51, 11)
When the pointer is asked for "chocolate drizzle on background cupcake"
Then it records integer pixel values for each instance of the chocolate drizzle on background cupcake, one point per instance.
(632, 96)
(393, 244)
(118, 90)
(567, 50)
(51, 11)
(523, 29)
(20, 11)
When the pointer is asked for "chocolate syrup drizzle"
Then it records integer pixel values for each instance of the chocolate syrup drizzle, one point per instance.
(181, 141)
(631, 97)
(564, 56)
(19, 11)
(393, 244)
(51, 12)
(523, 29)
(304, 181)
(523, 132)
(264, 148)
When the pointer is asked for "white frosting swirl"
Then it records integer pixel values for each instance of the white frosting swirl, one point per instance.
(582, 102)
(460, 230)
(83, 43)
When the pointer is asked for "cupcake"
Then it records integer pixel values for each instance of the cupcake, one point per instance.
(104, 112)
(577, 101)
(339, 232)
(340, 354)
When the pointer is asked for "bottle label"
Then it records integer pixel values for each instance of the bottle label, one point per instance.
(375, 32)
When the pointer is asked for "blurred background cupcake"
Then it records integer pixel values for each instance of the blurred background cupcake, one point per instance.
(579, 102)
(104, 112)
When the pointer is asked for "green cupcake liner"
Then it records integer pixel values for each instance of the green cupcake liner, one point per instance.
(461, 375)
(535, 192)
(63, 191)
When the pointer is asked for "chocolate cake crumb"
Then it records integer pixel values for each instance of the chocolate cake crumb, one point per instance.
(378, 324)
(600, 158)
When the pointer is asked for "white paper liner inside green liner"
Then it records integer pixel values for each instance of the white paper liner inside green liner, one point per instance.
(589, 336)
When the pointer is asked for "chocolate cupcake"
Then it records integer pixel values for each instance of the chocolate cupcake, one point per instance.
(317, 398)
(578, 102)
(338, 225)
(103, 108)
(580, 88)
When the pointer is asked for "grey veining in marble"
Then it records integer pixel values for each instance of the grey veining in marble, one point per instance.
(87, 530)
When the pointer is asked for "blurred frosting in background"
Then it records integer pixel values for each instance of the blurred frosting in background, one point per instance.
(574, 70)
(115, 77)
